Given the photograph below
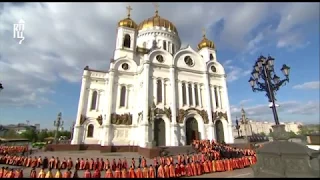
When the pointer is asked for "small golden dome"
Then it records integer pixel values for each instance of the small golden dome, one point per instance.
(205, 43)
(157, 21)
(128, 22)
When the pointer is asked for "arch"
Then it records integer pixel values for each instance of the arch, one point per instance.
(166, 56)
(159, 91)
(194, 55)
(217, 65)
(132, 64)
(165, 45)
(94, 100)
(127, 41)
(123, 96)
(184, 93)
(159, 132)
(194, 114)
(192, 130)
(90, 131)
(219, 131)
(211, 57)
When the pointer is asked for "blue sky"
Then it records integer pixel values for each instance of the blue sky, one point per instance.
(42, 76)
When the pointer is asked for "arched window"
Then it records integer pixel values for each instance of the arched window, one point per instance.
(184, 94)
(190, 94)
(211, 56)
(216, 96)
(164, 45)
(159, 91)
(127, 41)
(196, 94)
(90, 131)
(94, 100)
(173, 49)
(123, 96)
(144, 45)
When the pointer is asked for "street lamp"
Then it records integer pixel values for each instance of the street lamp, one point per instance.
(238, 126)
(1, 87)
(244, 120)
(264, 79)
(58, 124)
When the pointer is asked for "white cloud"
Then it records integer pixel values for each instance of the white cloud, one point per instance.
(62, 38)
(308, 85)
(242, 102)
(292, 41)
(234, 73)
(261, 111)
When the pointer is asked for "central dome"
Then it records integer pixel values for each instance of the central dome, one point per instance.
(157, 21)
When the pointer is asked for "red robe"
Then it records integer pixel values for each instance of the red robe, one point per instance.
(139, 173)
(132, 174)
(166, 171)
(87, 174)
(161, 172)
(177, 170)
(151, 172)
(124, 173)
(109, 174)
(145, 172)
(117, 173)
(172, 171)
(96, 174)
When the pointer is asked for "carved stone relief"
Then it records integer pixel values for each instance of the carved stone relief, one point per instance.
(158, 111)
(99, 119)
(182, 113)
(218, 115)
(121, 119)
(83, 119)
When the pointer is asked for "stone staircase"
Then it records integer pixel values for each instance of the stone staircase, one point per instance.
(175, 150)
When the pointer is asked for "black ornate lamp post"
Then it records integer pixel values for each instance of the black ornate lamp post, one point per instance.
(264, 79)
(238, 126)
(58, 124)
(1, 87)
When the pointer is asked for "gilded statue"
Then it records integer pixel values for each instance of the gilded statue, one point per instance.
(121, 119)
(82, 119)
(99, 119)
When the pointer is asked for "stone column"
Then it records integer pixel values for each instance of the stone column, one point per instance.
(213, 92)
(78, 129)
(200, 95)
(163, 91)
(180, 95)
(187, 93)
(193, 95)
(106, 128)
(174, 137)
(127, 96)
(154, 98)
(90, 100)
(209, 107)
(219, 99)
(98, 100)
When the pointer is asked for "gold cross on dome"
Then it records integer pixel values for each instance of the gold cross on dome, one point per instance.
(129, 10)
(204, 32)
(156, 6)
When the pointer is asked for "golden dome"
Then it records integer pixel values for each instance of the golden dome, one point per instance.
(205, 43)
(157, 21)
(128, 22)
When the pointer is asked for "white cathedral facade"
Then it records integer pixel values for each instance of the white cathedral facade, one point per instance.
(155, 93)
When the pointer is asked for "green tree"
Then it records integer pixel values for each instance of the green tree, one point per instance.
(292, 134)
(11, 134)
(30, 134)
(42, 135)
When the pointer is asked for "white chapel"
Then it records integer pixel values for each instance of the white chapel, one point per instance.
(155, 93)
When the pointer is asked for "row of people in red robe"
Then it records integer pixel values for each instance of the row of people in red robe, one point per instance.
(13, 149)
(5, 172)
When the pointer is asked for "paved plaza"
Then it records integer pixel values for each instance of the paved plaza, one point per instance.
(243, 173)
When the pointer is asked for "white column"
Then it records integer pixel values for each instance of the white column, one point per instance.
(163, 89)
(90, 100)
(187, 93)
(227, 108)
(174, 137)
(209, 107)
(200, 95)
(127, 96)
(118, 95)
(218, 96)
(154, 98)
(180, 95)
(98, 100)
(145, 140)
(193, 95)
(214, 98)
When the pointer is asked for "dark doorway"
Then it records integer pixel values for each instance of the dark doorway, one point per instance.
(219, 131)
(160, 132)
(192, 131)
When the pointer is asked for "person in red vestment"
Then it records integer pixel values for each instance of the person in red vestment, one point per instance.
(172, 171)
(210, 165)
(114, 165)
(96, 174)
(177, 170)
(91, 164)
(69, 163)
(188, 170)
(67, 174)
(124, 173)
(119, 165)
(155, 161)
(182, 169)
(87, 164)
(82, 164)
(145, 172)
(152, 173)
(161, 173)
(139, 173)
(87, 174)
(166, 171)
(179, 158)
(18, 173)
(109, 173)
(107, 164)
(1, 172)
(132, 174)
(125, 163)
(206, 167)
(117, 173)
(133, 163)
(101, 164)
(199, 169)
(10, 174)
(96, 164)
(143, 162)
(193, 168)
(63, 164)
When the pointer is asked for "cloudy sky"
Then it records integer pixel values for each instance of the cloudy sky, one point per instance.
(42, 75)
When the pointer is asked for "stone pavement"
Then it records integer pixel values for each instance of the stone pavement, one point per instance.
(129, 155)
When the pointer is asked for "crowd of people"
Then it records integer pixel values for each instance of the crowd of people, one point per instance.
(13, 149)
(210, 157)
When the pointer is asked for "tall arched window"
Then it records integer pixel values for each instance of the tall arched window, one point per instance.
(211, 56)
(144, 45)
(173, 49)
(196, 94)
(90, 130)
(159, 91)
(190, 94)
(164, 45)
(94, 100)
(216, 96)
(123, 96)
(127, 41)
(184, 94)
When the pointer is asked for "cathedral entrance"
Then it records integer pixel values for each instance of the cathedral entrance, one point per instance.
(219, 131)
(192, 131)
(159, 132)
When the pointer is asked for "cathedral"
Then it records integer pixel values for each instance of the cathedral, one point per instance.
(155, 93)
